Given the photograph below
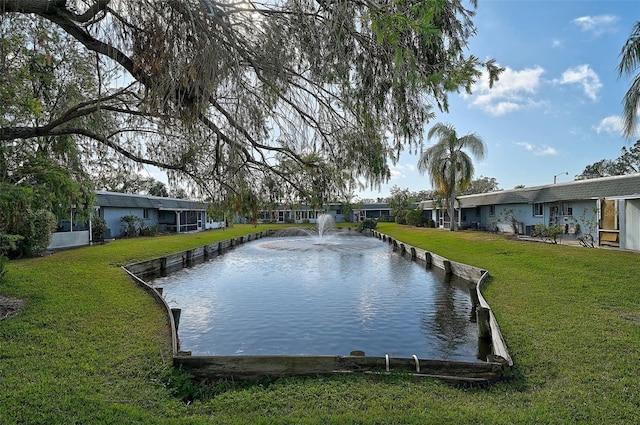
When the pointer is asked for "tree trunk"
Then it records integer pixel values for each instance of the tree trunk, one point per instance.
(452, 192)
(452, 211)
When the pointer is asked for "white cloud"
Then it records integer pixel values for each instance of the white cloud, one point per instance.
(585, 76)
(597, 24)
(396, 173)
(512, 92)
(527, 146)
(556, 43)
(538, 150)
(546, 150)
(400, 170)
(410, 167)
(610, 124)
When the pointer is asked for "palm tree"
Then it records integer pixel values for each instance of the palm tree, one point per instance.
(449, 167)
(630, 62)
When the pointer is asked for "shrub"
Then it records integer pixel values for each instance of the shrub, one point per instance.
(401, 217)
(415, 218)
(547, 233)
(3, 266)
(135, 226)
(386, 219)
(7, 243)
(369, 223)
(98, 229)
(36, 231)
(129, 229)
(145, 230)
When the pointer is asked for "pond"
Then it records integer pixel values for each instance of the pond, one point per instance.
(304, 296)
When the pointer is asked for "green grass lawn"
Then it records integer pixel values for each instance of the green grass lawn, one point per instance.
(89, 346)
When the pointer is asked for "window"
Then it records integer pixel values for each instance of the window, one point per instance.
(567, 209)
(145, 213)
(492, 210)
(538, 209)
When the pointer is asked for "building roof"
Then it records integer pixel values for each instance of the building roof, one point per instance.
(604, 187)
(126, 200)
(376, 206)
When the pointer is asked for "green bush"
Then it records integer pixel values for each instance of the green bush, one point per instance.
(130, 227)
(145, 230)
(7, 244)
(98, 229)
(369, 223)
(415, 218)
(547, 233)
(135, 226)
(36, 231)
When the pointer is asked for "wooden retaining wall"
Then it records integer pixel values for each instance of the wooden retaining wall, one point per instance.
(257, 367)
(173, 262)
(488, 327)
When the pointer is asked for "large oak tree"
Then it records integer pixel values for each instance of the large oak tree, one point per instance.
(233, 95)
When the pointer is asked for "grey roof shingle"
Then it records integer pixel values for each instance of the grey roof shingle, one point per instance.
(125, 200)
(604, 187)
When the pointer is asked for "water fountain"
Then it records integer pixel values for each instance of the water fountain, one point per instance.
(324, 236)
(325, 224)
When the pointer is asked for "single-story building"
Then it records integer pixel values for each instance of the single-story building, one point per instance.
(607, 208)
(167, 215)
(170, 215)
(300, 213)
(373, 211)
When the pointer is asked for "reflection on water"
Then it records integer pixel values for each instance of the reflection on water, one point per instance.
(280, 296)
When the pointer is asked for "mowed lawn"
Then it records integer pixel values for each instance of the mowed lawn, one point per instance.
(91, 347)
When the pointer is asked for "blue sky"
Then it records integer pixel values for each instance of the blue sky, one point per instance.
(556, 108)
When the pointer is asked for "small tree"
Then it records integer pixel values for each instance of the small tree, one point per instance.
(399, 201)
(401, 217)
(481, 185)
(510, 217)
(586, 228)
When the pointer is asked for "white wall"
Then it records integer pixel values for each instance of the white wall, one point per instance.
(60, 240)
(632, 225)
